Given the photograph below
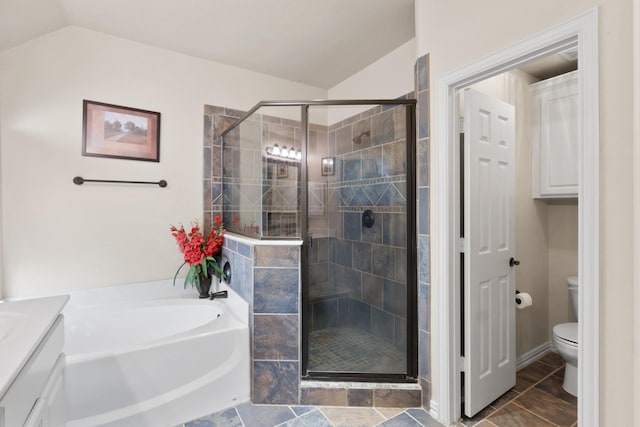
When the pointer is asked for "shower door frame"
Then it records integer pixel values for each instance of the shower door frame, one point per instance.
(411, 374)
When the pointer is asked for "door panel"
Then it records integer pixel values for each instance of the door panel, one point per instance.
(489, 286)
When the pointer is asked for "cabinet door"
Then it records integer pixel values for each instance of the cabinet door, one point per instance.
(49, 409)
(53, 394)
(38, 415)
(555, 137)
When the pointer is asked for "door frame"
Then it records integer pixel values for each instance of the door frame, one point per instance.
(447, 364)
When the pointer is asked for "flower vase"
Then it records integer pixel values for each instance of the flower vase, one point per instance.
(203, 285)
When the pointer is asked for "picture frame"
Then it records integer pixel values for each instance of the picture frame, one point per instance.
(327, 166)
(282, 170)
(119, 132)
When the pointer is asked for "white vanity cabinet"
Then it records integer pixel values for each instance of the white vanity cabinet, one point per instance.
(555, 137)
(32, 363)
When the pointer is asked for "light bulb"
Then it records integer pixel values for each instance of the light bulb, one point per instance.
(292, 154)
(269, 150)
(276, 150)
(284, 152)
(299, 155)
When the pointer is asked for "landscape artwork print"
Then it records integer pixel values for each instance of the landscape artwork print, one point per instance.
(120, 132)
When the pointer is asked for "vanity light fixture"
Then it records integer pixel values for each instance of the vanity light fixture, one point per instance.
(284, 152)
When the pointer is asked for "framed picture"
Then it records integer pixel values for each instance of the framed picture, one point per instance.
(328, 166)
(120, 132)
(282, 170)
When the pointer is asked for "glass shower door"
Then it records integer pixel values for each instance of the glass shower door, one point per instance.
(357, 292)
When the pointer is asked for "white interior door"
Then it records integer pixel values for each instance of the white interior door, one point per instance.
(489, 280)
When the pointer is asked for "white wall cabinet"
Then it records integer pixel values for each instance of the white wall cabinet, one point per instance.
(555, 137)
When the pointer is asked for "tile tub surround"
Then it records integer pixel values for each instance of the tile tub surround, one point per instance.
(267, 275)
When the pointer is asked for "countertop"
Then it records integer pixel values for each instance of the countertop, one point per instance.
(23, 324)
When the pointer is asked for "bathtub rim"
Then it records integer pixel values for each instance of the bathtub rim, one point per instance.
(234, 315)
(214, 327)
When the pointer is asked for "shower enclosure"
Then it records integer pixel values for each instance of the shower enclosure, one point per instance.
(340, 177)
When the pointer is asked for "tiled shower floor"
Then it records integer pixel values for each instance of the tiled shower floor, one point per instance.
(350, 349)
(537, 400)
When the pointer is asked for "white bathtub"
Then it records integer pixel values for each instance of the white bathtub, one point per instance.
(162, 361)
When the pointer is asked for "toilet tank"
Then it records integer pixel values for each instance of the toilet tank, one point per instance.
(572, 283)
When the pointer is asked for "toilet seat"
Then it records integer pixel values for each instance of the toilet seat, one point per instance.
(567, 333)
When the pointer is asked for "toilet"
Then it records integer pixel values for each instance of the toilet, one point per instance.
(565, 340)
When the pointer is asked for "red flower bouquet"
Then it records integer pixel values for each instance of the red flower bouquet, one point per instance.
(199, 252)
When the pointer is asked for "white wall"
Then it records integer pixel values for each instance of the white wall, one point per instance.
(563, 258)
(59, 236)
(458, 32)
(1, 238)
(636, 201)
(387, 78)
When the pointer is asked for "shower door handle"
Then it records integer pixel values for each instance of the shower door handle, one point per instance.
(310, 240)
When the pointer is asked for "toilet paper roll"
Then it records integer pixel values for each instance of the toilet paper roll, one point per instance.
(525, 300)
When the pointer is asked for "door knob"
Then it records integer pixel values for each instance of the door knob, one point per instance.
(513, 262)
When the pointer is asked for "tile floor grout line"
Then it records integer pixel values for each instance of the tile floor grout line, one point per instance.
(519, 394)
(239, 417)
(410, 416)
(538, 381)
(497, 408)
(557, 397)
(375, 408)
(537, 415)
(545, 363)
(482, 419)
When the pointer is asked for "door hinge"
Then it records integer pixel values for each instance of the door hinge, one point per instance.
(461, 364)
(462, 245)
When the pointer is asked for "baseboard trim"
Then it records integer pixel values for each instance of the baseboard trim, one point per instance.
(534, 354)
(433, 409)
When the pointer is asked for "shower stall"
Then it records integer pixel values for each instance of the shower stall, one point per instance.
(339, 176)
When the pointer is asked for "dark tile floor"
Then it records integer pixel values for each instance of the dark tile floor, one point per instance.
(351, 349)
(537, 400)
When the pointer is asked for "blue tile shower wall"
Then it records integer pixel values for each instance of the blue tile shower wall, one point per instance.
(216, 121)
(276, 314)
(260, 194)
(424, 273)
(276, 375)
(362, 280)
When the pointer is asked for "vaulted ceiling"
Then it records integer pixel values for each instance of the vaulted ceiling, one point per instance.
(316, 42)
